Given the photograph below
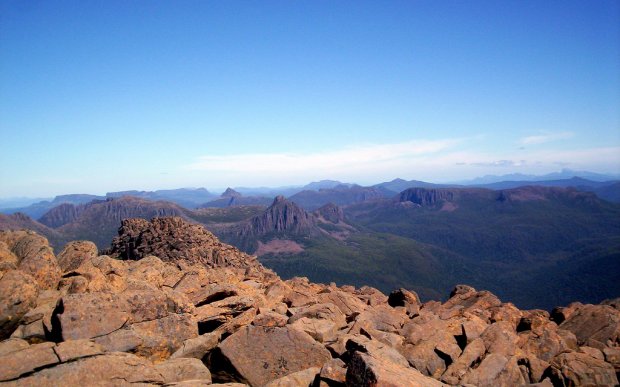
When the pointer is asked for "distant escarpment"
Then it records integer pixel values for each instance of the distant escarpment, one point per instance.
(61, 215)
(80, 319)
(427, 197)
(340, 195)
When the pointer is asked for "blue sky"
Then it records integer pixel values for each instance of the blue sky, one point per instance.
(101, 96)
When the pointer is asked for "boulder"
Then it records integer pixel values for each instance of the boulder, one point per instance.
(8, 260)
(37, 258)
(75, 253)
(197, 347)
(18, 294)
(348, 303)
(581, 369)
(260, 355)
(406, 299)
(296, 379)
(368, 369)
(77, 349)
(472, 354)
(496, 369)
(334, 372)
(12, 345)
(382, 318)
(270, 319)
(108, 369)
(24, 361)
(594, 325)
(500, 338)
(155, 339)
(177, 370)
(89, 315)
(36, 325)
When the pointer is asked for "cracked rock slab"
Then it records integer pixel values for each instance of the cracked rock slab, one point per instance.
(263, 354)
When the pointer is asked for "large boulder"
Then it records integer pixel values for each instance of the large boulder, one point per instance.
(108, 369)
(374, 364)
(260, 355)
(36, 258)
(594, 325)
(581, 369)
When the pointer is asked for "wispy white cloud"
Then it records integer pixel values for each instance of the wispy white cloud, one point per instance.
(436, 160)
(347, 159)
(545, 138)
(499, 163)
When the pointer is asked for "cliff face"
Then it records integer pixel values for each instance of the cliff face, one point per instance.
(61, 215)
(427, 197)
(80, 318)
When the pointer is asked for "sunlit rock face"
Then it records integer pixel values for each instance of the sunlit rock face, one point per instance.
(171, 304)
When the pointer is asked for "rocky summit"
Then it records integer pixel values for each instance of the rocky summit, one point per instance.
(171, 305)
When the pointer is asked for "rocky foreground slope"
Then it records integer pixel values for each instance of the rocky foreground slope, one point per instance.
(204, 313)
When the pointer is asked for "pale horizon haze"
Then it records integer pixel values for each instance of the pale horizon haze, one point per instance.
(105, 96)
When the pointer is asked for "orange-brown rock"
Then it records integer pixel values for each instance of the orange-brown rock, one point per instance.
(188, 320)
(74, 253)
(173, 239)
(18, 294)
(261, 355)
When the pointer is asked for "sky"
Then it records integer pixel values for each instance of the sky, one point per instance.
(99, 96)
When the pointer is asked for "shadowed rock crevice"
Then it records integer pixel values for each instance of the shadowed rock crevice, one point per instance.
(217, 296)
(222, 370)
(56, 333)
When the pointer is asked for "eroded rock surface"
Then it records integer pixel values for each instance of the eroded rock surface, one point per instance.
(183, 309)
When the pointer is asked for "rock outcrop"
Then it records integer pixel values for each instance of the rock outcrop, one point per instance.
(331, 213)
(173, 239)
(173, 315)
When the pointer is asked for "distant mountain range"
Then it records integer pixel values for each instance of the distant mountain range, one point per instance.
(316, 194)
(536, 246)
(562, 175)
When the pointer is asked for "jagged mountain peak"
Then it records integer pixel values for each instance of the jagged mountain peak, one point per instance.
(231, 193)
(283, 216)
